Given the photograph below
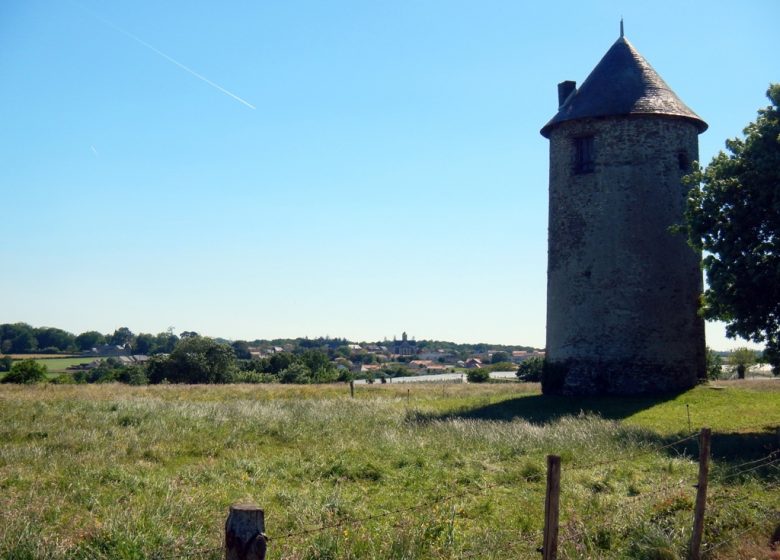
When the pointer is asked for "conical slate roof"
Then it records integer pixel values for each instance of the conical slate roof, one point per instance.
(623, 83)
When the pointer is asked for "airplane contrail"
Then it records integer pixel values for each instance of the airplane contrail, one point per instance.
(168, 58)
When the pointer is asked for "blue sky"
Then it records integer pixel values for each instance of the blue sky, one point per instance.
(391, 176)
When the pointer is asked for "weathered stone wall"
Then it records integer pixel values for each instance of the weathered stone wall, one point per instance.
(622, 289)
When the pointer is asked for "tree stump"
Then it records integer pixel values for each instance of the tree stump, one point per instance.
(245, 533)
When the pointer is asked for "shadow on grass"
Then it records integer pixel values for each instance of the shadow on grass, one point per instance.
(729, 450)
(542, 409)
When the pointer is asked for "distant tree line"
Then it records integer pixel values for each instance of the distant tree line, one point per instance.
(193, 359)
(21, 338)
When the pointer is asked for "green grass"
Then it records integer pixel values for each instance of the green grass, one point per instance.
(59, 365)
(55, 366)
(109, 471)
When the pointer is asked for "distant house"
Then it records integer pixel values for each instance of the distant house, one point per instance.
(255, 353)
(473, 363)
(133, 360)
(421, 364)
(85, 366)
(519, 356)
(437, 355)
(108, 351)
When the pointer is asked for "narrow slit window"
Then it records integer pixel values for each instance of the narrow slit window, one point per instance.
(683, 161)
(584, 154)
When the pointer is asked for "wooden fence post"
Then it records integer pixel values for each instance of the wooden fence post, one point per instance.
(701, 494)
(352, 388)
(245, 533)
(551, 502)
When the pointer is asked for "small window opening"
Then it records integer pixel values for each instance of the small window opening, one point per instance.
(683, 162)
(584, 155)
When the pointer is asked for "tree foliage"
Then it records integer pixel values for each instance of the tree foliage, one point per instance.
(195, 359)
(733, 215)
(26, 371)
(714, 364)
(741, 359)
(122, 336)
(499, 357)
(21, 338)
(531, 369)
(478, 375)
(5, 363)
(89, 340)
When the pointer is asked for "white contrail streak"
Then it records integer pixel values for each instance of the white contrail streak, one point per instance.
(169, 58)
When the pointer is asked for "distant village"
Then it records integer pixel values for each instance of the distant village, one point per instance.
(423, 357)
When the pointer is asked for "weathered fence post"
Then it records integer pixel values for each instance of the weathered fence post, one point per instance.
(551, 502)
(352, 388)
(245, 533)
(701, 494)
(688, 411)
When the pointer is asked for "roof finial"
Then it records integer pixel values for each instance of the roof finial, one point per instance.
(621, 26)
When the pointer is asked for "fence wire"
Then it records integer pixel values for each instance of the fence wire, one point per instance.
(188, 554)
(360, 520)
(576, 467)
(771, 460)
(732, 538)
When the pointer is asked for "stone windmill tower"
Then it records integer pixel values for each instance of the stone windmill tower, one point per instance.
(622, 290)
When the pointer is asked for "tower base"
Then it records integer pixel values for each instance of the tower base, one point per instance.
(628, 378)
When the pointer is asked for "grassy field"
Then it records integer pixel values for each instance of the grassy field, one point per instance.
(57, 364)
(422, 472)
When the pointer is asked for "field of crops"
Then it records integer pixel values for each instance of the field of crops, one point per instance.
(422, 472)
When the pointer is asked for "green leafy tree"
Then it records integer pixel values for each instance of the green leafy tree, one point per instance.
(5, 363)
(164, 343)
(54, 339)
(296, 373)
(531, 369)
(714, 364)
(279, 362)
(478, 375)
(322, 369)
(144, 343)
(26, 371)
(17, 338)
(195, 360)
(733, 215)
(90, 339)
(742, 359)
(499, 357)
(122, 336)
(241, 348)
